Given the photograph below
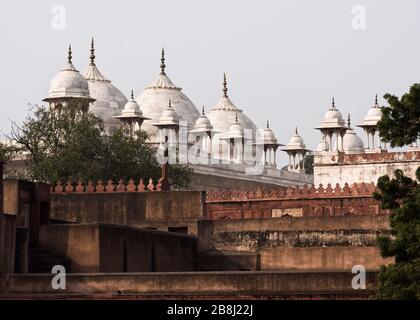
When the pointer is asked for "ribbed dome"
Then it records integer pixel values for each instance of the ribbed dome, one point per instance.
(68, 83)
(224, 113)
(110, 101)
(155, 97)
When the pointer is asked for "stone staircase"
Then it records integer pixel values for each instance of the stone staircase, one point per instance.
(42, 261)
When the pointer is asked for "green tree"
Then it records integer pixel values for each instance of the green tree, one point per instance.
(69, 145)
(400, 126)
(400, 123)
(400, 280)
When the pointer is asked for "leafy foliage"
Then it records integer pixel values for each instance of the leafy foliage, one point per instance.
(402, 279)
(400, 123)
(69, 145)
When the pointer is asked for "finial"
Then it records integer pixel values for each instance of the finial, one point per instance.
(376, 101)
(92, 53)
(333, 102)
(170, 104)
(236, 117)
(162, 62)
(348, 121)
(69, 57)
(132, 94)
(268, 124)
(296, 131)
(225, 89)
(202, 111)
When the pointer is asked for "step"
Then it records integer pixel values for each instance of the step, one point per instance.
(215, 260)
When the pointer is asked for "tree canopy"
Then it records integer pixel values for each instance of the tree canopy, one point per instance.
(400, 280)
(400, 123)
(400, 126)
(69, 145)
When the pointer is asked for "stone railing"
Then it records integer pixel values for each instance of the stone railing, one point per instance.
(305, 192)
(109, 186)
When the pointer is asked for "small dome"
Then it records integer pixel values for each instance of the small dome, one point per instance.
(268, 135)
(202, 124)
(296, 142)
(373, 115)
(68, 83)
(351, 141)
(169, 117)
(132, 107)
(235, 128)
(332, 118)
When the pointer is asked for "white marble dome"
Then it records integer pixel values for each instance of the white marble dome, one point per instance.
(110, 101)
(373, 115)
(352, 143)
(268, 135)
(131, 108)
(68, 83)
(296, 142)
(202, 124)
(333, 118)
(154, 100)
(224, 113)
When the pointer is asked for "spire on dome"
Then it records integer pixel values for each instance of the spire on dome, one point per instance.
(69, 56)
(236, 117)
(268, 124)
(376, 101)
(333, 104)
(132, 94)
(348, 121)
(162, 62)
(296, 131)
(92, 53)
(170, 104)
(202, 111)
(225, 89)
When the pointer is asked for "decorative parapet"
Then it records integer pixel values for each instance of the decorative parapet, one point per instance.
(341, 158)
(305, 192)
(108, 187)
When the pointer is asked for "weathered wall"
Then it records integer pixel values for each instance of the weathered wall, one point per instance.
(365, 167)
(256, 284)
(111, 248)
(7, 243)
(129, 208)
(299, 243)
(297, 202)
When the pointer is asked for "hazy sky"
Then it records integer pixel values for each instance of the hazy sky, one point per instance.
(284, 59)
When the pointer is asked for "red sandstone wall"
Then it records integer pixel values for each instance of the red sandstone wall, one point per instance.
(348, 200)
